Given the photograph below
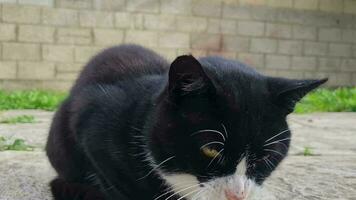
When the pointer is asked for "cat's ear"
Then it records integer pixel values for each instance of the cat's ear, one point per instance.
(287, 92)
(186, 76)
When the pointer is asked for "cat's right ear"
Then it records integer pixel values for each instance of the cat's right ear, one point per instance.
(186, 77)
(287, 92)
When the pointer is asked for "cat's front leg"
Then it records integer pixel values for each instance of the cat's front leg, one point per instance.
(64, 190)
(107, 173)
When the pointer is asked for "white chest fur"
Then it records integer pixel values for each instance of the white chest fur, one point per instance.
(188, 186)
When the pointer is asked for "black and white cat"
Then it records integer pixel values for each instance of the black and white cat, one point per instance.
(135, 127)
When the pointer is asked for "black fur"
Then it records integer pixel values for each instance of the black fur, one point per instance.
(129, 102)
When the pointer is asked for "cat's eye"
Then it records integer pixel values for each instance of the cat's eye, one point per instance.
(209, 152)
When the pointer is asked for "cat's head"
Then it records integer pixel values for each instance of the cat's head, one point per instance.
(220, 128)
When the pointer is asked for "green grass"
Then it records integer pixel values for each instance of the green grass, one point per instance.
(9, 144)
(308, 151)
(321, 100)
(327, 100)
(19, 119)
(33, 99)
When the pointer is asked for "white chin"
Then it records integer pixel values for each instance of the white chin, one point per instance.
(228, 188)
(187, 186)
(233, 187)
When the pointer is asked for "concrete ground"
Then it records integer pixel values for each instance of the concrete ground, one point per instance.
(329, 174)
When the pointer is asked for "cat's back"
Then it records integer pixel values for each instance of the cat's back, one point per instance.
(120, 63)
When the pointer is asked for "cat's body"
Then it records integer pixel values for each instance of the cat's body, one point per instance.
(135, 126)
(127, 78)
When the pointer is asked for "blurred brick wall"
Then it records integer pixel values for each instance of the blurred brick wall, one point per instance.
(44, 43)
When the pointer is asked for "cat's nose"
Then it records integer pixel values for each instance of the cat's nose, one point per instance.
(232, 195)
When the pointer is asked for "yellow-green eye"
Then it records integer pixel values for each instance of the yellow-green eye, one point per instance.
(209, 152)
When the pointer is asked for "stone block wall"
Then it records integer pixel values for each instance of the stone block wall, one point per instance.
(44, 43)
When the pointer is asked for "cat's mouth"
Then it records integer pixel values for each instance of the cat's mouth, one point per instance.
(234, 187)
(229, 188)
(240, 191)
(231, 195)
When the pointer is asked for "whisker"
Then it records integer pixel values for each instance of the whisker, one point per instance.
(284, 145)
(278, 134)
(209, 130)
(278, 141)
(225, 130)
(184, 183)
(156, 167)
(102, 88)
(268, 160)
(215, 157)
(187, 188)
(136, 129)
(267, 164)
(189, 193)
(221, 159)
(209, 143)
(197, 195)
(171, 190)
(274, 151)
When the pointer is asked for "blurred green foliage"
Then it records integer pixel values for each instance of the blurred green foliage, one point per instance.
(19, 119)
(328, 100)
(9, 144)
(321, 100)
(308, 151)
(32, 99)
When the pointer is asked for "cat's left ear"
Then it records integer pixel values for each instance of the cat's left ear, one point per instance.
(287, 92)
(186, 76)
